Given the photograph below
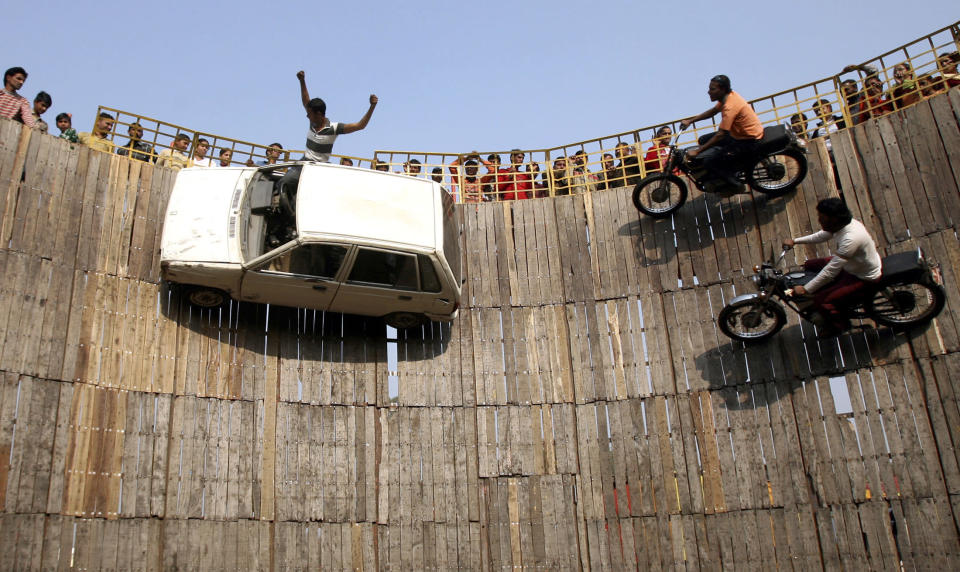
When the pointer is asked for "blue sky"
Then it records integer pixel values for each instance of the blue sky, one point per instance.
(450, 76)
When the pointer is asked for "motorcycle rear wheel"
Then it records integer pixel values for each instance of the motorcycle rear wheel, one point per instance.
(906, 305)
(778, 174)
(751, 320)
(659, 195)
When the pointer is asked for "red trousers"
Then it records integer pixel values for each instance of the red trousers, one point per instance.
(830, 299)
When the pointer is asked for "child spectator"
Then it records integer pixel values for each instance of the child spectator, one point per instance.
(225, 156)
(382, 166)
(200, 158)
(346, 161)
(12, 104)
(41, 104)
(135, 146)
(98, 139)
(174, 157)
(437, 175)
(64, 124)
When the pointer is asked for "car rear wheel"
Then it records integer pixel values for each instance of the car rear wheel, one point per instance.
(206, 297)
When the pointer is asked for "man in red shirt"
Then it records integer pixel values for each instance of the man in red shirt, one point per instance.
(12, 104)
(739, 134)
(511, 182)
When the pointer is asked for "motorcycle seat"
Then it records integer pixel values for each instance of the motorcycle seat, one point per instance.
(902, 265)
(775, 138)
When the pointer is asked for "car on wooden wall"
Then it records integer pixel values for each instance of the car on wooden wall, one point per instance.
(315, 235)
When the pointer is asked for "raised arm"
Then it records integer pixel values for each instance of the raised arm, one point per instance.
(304, 94)
(351, 127)
(866, 69)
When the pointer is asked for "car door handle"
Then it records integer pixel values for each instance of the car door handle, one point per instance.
(320, 287)
(405, 297)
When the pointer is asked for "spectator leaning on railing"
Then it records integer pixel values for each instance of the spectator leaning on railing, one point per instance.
(41, 104)
(829, 123)
(272, 153)
(98, 138)
(136, 147)
(175, 157)
(657, 154)
(12, 104)
(905, 89)
(628, 169)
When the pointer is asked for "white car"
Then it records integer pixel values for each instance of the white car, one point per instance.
(340, 238)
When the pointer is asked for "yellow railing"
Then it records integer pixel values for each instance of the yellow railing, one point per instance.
(853, 95)
(156, 141)
(805, 106)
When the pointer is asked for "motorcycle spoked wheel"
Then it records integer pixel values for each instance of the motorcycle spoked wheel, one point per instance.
(906, 305)
(659, 195)
(751, 320)
(777, 175)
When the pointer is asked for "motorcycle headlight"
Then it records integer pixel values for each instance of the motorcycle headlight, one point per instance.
(756, 268)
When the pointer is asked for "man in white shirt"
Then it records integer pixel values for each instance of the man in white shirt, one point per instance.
(854, 266)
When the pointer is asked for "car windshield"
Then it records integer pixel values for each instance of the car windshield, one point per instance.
(266, 221)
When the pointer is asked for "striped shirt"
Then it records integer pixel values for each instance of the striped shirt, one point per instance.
(15, 106)
(320, 142)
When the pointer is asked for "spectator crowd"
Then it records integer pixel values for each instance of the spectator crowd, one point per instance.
(863, 98)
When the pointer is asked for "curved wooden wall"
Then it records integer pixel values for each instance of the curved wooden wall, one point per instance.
(583, 412)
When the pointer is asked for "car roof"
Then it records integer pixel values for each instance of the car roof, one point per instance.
(364, 205)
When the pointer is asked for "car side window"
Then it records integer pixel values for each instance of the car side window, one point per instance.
(428, 274)
(382, 268)
(316, 260)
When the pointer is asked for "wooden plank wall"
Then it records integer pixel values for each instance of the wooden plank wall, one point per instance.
(584, 412)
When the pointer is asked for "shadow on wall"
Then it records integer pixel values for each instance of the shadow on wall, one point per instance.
(344, 337)
(707, 216)
(795, 355)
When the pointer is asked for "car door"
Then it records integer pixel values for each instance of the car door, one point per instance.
(381, 282)
(298, 275)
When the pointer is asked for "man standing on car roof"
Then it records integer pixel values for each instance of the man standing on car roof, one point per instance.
(739, 134)
(320, 137)
(322, 133)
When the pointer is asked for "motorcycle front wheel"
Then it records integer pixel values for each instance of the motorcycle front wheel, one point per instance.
(906, 305)
(777, 175)
(751, 320)
(659, 195)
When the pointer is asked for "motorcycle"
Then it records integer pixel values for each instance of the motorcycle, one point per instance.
(908, 294)
(776, 168)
